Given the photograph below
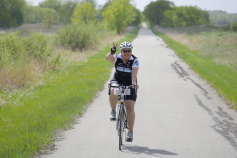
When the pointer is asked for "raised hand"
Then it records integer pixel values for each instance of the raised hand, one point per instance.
(113, 48)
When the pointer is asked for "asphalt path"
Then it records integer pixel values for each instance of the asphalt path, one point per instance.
(177, 114)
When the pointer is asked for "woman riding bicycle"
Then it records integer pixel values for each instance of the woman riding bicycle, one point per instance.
(126, 69)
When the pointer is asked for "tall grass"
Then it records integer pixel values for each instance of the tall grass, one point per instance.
(221, 77)
(29, 120)
(17, 56)
(216, 44)
(219, 46)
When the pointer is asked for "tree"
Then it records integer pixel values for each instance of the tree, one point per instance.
(53, 4)
(93, 2)
(138, 18)
(154, 12)
(234, 27)
(49, 17)
(66, 11)
(11, 13)
(118, 14)
(84, 13)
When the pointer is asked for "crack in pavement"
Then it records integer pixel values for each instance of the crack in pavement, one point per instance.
(223, 124)
(182, 73)
(179, 70)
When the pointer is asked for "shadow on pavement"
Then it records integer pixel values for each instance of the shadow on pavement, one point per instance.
(146, 150)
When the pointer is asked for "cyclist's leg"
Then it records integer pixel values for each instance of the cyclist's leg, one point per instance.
(130, 104)
(113, 98)
(130, 113)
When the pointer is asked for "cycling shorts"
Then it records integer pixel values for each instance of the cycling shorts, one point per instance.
(132, 96)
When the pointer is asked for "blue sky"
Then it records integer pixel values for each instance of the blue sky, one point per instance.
(229, 6)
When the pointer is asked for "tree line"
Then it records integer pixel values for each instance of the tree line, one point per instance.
(115, 14)
(222, 18)
(169, 15)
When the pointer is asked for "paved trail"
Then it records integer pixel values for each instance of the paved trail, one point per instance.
(177, 114)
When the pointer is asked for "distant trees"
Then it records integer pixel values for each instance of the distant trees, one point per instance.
(166, 14)
(115, 14)
(65, 11)
(34, 14)
(53, 4)
(154, 12)
(138, 18)
(50, 11)
(184, 16)
(11, 14)
(222, 18)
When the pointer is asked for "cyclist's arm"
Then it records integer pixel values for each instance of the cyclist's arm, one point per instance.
(134, 74)
(135, 68)
(110, 58)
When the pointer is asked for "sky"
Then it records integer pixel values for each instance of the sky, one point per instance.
(230, 6)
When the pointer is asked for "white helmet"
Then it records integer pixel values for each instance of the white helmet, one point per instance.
(125, 45)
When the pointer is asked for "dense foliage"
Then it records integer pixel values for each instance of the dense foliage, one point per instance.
(118, 15)
(138, 18)
(18, 49)
(234, 27)
(84, 13)
(165, 13)
(154, 12)
(11, 13)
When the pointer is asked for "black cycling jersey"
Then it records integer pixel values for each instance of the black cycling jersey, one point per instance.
(123, 73)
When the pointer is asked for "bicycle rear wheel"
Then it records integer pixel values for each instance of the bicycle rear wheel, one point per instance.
(120, 129)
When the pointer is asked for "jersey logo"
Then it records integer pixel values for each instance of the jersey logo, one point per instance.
(137, 63)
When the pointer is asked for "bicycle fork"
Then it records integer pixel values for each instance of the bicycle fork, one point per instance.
(122, 113)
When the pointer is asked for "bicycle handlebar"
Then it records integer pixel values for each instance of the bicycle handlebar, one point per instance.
(123, 87)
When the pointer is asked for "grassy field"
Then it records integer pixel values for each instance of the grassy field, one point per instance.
(29, 118)
(211, 53)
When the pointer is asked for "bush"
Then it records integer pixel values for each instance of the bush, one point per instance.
(38, 46)
(15, 48)
(78, 36)
(12, 49)
(22, 58)
(234, 27)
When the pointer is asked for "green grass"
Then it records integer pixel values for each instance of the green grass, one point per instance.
(30, 118)
(221, 77)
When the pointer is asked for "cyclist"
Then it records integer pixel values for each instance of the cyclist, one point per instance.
(126, 69)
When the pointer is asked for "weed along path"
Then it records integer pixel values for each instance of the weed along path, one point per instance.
(177, 114)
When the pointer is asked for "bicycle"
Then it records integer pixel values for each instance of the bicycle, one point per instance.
(121, 118)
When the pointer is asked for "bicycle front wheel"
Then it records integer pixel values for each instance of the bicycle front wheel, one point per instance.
(120, 129)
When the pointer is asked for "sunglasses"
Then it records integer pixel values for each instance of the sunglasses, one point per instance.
(127, 51)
